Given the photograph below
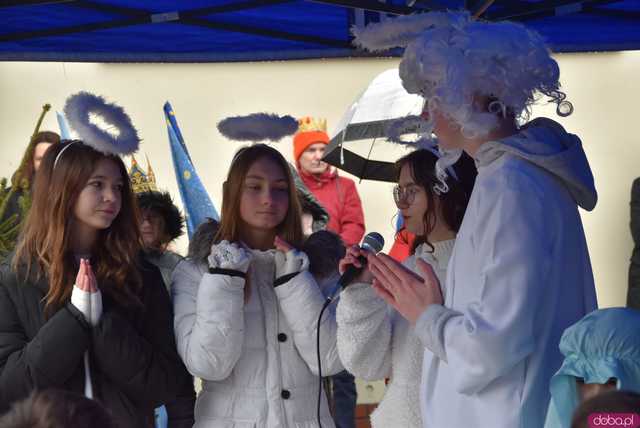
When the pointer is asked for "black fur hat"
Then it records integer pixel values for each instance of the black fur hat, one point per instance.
(162, 203)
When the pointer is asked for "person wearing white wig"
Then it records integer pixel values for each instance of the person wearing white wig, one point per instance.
(520, 272)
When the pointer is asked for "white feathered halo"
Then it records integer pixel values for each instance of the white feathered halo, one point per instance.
(78, 110)
(258, 127)
(399, 32)
(408, 125)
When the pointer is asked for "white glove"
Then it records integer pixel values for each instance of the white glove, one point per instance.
(229, 255)
(90, 304)
(293, 261)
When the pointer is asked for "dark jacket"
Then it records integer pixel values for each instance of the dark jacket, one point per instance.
(633, 296)
(134, 363)
(179, 411)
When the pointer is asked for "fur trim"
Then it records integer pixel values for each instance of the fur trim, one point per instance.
(163, 204)
(400, 31)
(202, 239)
(77, 109)
(258, 127)
(309, 203)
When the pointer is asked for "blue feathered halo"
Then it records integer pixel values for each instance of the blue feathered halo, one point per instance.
(258, 127)
(78, 108)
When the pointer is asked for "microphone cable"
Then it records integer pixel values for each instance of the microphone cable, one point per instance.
(374, 242)
(324, 307)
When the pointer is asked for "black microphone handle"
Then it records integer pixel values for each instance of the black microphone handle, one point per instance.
(352, 272)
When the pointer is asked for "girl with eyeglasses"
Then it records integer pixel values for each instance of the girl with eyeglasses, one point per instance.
(374, 341)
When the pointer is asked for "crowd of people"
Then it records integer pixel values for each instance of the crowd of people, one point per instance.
(491, 321)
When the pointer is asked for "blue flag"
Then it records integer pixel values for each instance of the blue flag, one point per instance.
(196, 201)
(64, 127)
(171, 121)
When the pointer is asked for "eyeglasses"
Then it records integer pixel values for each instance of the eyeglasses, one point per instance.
(405, 195)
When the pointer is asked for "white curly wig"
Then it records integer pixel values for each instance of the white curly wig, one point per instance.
(455, 58)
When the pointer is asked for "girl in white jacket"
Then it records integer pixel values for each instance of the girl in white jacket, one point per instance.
(374, 341)
(246, 317)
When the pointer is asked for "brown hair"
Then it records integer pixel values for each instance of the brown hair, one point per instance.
(53, 408)
(43, 247)
(26, 171)
(291, 227)
(453, 204)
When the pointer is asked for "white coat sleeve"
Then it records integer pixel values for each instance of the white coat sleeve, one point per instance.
(496, 330)
(300, 301)
(209, 320)
(364, 332)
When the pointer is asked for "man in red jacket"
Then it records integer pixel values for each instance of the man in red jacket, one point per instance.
(338, 195)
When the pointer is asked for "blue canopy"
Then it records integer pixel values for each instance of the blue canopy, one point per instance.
(247, 30)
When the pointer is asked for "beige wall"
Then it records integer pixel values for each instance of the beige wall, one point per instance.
(603, 88)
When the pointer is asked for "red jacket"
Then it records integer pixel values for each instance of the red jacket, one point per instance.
(338, 195)
(402, 244)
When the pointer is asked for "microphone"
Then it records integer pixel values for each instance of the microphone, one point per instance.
(373, 242)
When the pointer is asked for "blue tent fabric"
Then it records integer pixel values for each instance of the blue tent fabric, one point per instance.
(243, 30)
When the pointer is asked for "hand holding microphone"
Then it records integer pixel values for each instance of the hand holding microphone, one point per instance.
(356, 257)
(353, 267)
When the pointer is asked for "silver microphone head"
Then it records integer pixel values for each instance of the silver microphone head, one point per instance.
(373, 242)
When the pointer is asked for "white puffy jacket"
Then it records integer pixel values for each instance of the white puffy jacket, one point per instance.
(376, 342)
(257, 359)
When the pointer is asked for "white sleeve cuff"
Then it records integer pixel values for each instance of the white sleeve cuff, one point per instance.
(96, 308)
(430, 326)
(82, 301)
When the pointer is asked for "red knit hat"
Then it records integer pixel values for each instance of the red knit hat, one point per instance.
(310, 131)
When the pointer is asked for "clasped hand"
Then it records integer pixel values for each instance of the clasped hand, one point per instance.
(86, 296)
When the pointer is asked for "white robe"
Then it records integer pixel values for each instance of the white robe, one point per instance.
(519, 275)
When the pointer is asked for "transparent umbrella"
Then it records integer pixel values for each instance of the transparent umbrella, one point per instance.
(359, 145)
